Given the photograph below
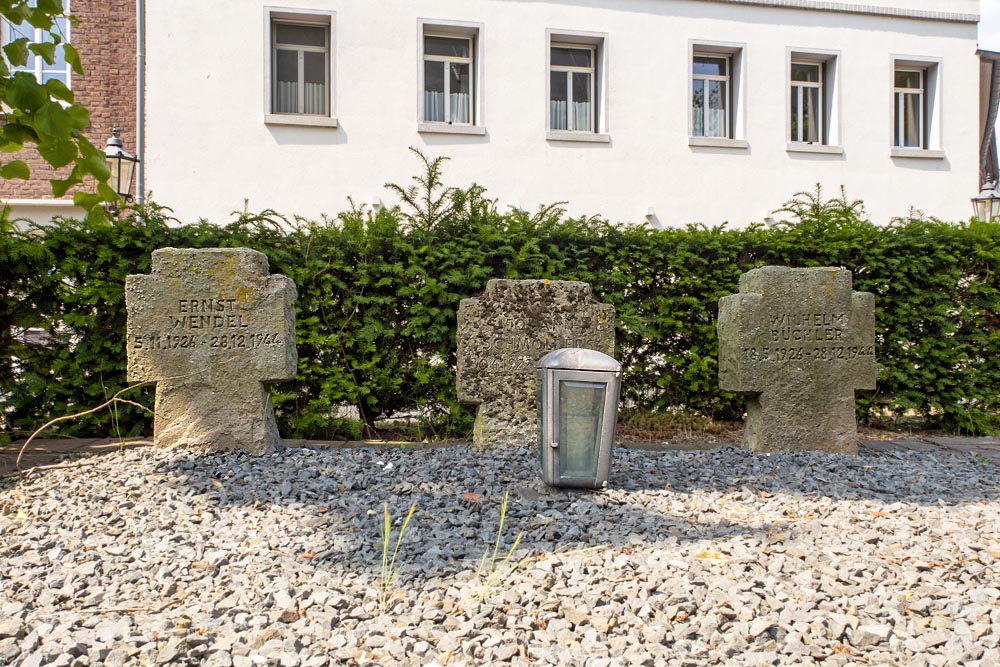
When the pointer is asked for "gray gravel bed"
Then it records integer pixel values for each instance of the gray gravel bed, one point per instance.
(718, 557)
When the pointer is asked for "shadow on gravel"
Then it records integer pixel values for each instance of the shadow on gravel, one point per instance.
(335, 497)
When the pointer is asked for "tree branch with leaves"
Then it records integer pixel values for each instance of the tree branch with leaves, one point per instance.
(44, 114)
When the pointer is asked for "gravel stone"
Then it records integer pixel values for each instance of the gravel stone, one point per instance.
(714, 557)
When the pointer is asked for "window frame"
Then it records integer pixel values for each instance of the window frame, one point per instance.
(736, 55)
(931, 101)
(40, 68)
(446, 61)
(474, 32)
(899, 96)
(797, 91)
(705, 79)
(830, 132)
(274, 16)
(597, 43)
(570, 70)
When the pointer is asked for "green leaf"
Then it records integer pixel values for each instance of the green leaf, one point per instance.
(61, 187)
(17, 52)
(24, 93)
(40, 19)
(94, 163)
(58, 153)
(106, 193)
(79, 115)
(52, 120)
(54, 7)
(72, 58)
(87, 200)
(16, 169)
(14, 134)
(44, 50)
(59, 90)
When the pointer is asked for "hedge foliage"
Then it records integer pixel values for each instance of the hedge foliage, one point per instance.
(379, 292)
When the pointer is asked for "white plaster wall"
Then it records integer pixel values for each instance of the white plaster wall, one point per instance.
(28, 212)
(208, 147)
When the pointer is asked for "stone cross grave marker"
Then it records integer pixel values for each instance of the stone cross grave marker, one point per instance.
(798, 342)
(504, 332)
(209, 326)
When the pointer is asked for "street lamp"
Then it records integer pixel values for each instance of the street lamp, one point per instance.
(987, 202)
(121, 165)
(577, 412)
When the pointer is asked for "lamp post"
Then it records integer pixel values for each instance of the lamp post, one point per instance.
(987, 203)
(577, 413)
(121, 165)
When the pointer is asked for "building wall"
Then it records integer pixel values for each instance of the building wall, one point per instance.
(106, 42)
(209, 148)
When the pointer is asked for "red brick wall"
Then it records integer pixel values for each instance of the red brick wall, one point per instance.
(106, 41)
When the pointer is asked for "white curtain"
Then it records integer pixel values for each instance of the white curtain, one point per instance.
(460, 108)
(288, 98)
(580, 111)
(434, 107)
(716, 123)
(581, 116)
(316, 98)
(557, 112)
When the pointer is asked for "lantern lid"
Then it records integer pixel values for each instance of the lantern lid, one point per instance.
(579, 359)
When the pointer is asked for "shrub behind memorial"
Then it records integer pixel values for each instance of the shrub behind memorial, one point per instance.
(378, 295)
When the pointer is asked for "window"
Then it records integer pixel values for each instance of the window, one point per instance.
(42, 71)
(916, 107)
(572, 72)
(813, 123)
(715, 91)
(575, 98)
(448, 79)
(710, 92)
(299, 77)
(910, 111)
(807, 103)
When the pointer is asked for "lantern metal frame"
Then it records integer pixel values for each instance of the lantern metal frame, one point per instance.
(114, 151)
(987, 203)
(582, 366)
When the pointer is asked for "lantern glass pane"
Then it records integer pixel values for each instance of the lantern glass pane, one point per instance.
(114, 180)
(581, 421)
(127, 171)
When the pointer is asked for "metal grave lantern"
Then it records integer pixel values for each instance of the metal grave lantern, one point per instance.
(577, 414)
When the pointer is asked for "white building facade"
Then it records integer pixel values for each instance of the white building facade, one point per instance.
(664, 112)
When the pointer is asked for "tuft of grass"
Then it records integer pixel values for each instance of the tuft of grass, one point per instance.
(491, 573)
(389, 568)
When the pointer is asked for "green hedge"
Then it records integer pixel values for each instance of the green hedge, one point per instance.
(378, 296)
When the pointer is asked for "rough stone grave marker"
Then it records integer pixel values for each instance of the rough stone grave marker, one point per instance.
(209, 326)
(799, 342)
(504, 332)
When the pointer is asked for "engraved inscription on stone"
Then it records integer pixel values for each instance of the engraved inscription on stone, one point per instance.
(798, 342)
(504, 332)
(209, 326)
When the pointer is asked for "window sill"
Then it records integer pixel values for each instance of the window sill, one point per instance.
(797, 147)
(920, 153)
(587, 137)
(300, 120)
(446, 128)
(718, 142)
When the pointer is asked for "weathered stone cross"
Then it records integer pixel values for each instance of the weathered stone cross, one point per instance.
(504, 332)
(209, 326)
(798, 342)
